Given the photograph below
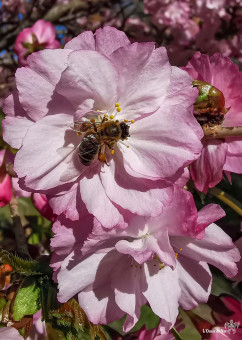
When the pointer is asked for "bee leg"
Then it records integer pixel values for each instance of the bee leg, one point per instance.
(101, 155)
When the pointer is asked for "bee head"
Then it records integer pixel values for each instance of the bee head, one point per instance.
(125, 130)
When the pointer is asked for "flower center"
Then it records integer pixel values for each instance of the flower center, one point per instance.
(100, 133)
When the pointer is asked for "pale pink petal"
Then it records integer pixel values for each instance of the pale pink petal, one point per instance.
(144, 80)
(181, 90)
(100, 305)
(68, 202)
(81, 272)
(164, 282)
(109, 39)
(84, 41)
(15, 129)
(10, 333)
(153, 151)
(12, 106)
(207, 215)
(126, 288)
(195, 279)
(216, 248)
(89, 75)
(234, 155)
(143, 197)
(97, 202)
(53, 160)
(34, 99)
(55, 59)
(207, 170)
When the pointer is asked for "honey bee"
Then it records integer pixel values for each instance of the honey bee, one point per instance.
(97, 136)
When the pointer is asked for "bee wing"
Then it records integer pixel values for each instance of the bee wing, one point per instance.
(80, 126)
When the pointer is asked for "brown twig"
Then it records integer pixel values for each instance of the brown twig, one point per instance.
(17, 228)
(222, 132)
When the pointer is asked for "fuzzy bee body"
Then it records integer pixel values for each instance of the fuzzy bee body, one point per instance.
(97, 136)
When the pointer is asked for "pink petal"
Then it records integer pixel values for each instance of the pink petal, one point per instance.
(5, 190)
(84, 41)
(216, 248)
(207, 170)
(97, 202)
(162, 292)
(153, 152)
(199, 67)
(206, 216)
(128, 286)
(144, 80)
(89, 75)
(234, 155)
(56, 60)
(77, 274)
(143, 197)
(109, 39)
(10, 333)
(195, 280)
(181, 90)
(15, 129)
(100, 305)
(44, 31)
(12, 106)
(52, 160)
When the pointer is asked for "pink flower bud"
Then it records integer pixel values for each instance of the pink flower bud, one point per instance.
(42, 205)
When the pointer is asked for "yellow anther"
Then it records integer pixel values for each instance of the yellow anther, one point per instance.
(132, 121)
(126, 138)
(117, 105)
(162, 266)
(111, 117)
(118, 109)
(126, 120)
(180, 249)
(98, 110)
(92, 120)
(105, 115)
(176, 255)
(127, 146)
(112, 152)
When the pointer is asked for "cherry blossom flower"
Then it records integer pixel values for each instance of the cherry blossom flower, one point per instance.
(38, 37)
(218, 155)
(13, 5)
(118, 271)
(97, 78)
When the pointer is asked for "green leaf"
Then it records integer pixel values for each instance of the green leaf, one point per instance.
(24, 266)
(3, 302)
(34, 239)
(27, 300)
(205, 312)
(147, 318)
(189, 332)
(221, 285)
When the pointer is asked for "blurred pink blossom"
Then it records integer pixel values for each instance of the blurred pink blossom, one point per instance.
(38, 37)
(13, 5)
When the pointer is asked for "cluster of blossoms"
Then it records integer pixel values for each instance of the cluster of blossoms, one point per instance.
(106, 131)
(205, 25)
